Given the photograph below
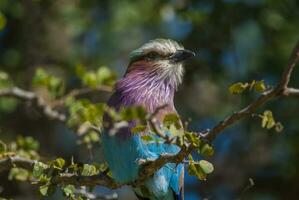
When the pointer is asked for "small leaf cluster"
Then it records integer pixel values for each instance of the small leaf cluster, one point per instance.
(45, 172)
(83, 111)
(25, 147)
(200, 169)
(102, 76)
(5, 80)
(82, 115)
(269, 122)
(54, 85)
(239, 87)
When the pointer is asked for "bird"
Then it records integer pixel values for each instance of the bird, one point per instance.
(152, 77)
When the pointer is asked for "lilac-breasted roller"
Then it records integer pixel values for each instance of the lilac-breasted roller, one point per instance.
(152, 77)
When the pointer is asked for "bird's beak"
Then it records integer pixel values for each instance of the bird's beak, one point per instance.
(181, 55)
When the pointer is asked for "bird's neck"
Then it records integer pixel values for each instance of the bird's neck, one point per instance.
(141, 86)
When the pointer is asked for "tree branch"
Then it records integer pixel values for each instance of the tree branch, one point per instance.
(61, 179)
(80, 92)
(148, 167)
(48, 109)
(102, 179)
(280, 90)
(35, 100)
(15, 161)
(291, 91)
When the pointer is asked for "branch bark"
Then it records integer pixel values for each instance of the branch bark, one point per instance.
(36, 101)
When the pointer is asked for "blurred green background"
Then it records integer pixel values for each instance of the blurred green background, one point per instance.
(235, 40)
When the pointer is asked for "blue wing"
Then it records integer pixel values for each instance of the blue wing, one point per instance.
(122, 155)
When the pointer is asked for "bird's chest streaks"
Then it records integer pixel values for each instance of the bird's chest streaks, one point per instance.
(146, 89)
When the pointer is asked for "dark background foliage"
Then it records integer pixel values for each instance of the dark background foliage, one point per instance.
(235, 40)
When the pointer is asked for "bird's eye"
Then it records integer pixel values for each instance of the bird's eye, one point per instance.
(152, 56)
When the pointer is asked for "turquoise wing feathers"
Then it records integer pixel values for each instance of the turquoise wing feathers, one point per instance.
(122, 156)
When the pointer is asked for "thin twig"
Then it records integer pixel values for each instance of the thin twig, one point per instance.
(80, 92)
(280, 90)
(15, 161)
(35, 100)
(291, 91)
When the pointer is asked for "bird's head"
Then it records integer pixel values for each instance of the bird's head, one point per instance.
(161, 59)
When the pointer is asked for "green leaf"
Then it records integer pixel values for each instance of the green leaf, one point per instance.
(73, 167)
(238, 88)
(193, 139)
(69, 190)
(206, 150)
(102, 167)
(27, 143)
(195, 170)
(59, 163)
(40, 77)
(44, 190)
(133, 113)
(105, 76)
(206, 166)
(200, 169)
(94, 136)
(175, 131)
(90, 79)
(89, 170)
(268, 119)
(82, 111)
(2, 147)
(54, 84)
(47, 189)
(170, 119)
(5, 82)
(18, 174)
(38, 169)
(260, 86)
(3, 76)
(138, 129)
(147, 138)
(44, 179)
